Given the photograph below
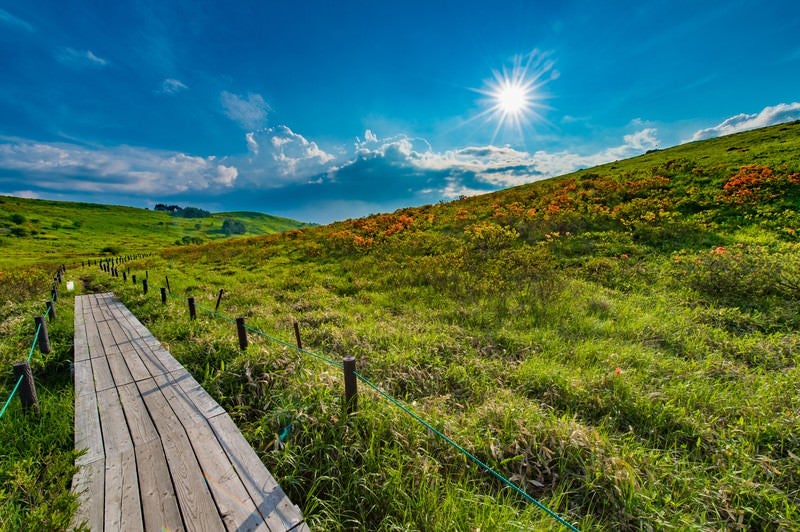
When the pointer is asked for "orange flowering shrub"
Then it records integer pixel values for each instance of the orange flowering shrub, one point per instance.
(756, 184)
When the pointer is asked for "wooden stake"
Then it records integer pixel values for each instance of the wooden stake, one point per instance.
(27, 389)
(242, 333)
(350, 385)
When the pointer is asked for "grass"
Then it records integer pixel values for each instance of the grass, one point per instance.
(51, 232)
(622, 343)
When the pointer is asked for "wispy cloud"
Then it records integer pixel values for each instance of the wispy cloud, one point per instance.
(80, 58)
(13, 21)
(172, 86)
(249, 111)
(118, 170)
(777, 114)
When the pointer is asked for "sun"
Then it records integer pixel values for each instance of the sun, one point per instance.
(514, 97)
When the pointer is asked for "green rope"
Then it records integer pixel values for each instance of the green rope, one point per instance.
(292, 346)
(215, 313)
(467, 453)
(19, 380)
(8, 401)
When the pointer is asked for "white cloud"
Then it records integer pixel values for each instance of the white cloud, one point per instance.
(62, 167)
(72, 57)
(777, 114)
(250, 112)
(172, 86)
(27, 194)
(369, 136)
(14, 21)
(279, 155)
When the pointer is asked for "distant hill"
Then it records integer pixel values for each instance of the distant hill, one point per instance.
(44, 231)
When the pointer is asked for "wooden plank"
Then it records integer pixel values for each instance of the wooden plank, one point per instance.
(149, 359)
(88, 485)
(140, 425)
(87, 429)
(135, 365)
(102, 374)
(80, 343)
(116, 436)
(199, 397)
(84, 380)
(122, 508)
(159, 503)
(234, 503)
(272, 502)
(194, 498)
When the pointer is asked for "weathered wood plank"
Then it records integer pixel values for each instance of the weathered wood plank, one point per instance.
(87, 429)
(275, 506)
(159, 503)
(122, 508)
(102, 374)
(140, 424)
(135, 365)
(199, 397)
(80, 343)
(88, 485)
(84, 380)
(234, 503)
(194, 498)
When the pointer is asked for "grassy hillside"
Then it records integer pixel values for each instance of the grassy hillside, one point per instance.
(52, 231)
(621, 342)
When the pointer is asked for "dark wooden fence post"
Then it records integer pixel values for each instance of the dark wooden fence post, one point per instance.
(192, 311)
(134, 278)
(54, 293)
(51, 311)
(144, 286)
(350, 385)
(242, 333)
(163, 295)
(27, 390)
(219, 298)
(44, 339)
(297, 334)
(124, 276)
(168, 288)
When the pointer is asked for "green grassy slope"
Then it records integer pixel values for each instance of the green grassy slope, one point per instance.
(621, 342)
(47, 231)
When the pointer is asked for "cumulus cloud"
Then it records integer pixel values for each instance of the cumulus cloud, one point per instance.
(80, 58)
(777, 114)
(63, 167)
(13, 21)
(278, 155)
(172, 86)
(249, 111)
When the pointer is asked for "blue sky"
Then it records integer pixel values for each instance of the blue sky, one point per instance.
(323, 110)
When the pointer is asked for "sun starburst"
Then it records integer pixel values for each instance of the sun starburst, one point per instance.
(514, 97)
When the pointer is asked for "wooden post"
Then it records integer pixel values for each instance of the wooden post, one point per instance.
(44, 339)
(350, 385)
(297, 335)
(192, 311)
(54, 293)
(163, 295)
(219, 298)
(168, 288)
(242, 333)
(144, 286)
(134, 278)
(51, 311)
(124, 276)
(27, 390)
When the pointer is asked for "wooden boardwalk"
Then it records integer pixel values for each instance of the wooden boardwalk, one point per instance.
(161, 453)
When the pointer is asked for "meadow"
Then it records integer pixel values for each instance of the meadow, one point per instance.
(49, 233)
(621, 343)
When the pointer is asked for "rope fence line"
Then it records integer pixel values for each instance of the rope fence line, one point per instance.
(53, 297)
(396, 403)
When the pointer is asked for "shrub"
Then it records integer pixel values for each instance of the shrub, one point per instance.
(18, 219)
